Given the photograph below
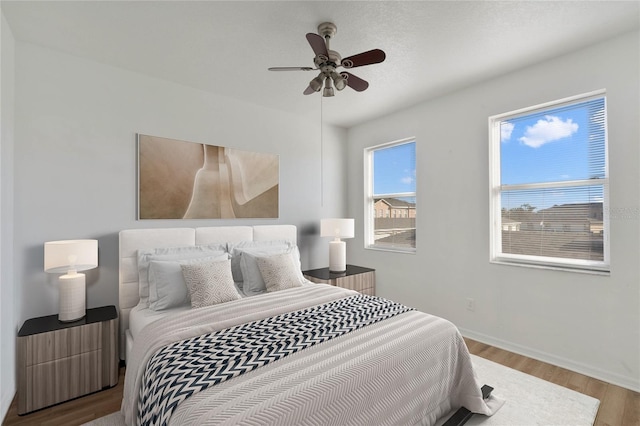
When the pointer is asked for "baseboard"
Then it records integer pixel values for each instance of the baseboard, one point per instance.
(596, 373)
(7, 399)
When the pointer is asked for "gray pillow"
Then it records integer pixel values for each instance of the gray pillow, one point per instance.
(209, 283)
(167, 288)
(253, 282)
(170, 253)
(264, 247)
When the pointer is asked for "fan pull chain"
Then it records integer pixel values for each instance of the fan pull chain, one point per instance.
(321, 158)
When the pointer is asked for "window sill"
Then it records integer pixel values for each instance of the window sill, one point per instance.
(393, 250)
(601, 272)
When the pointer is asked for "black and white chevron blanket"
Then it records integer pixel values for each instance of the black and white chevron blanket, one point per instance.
(183, 368)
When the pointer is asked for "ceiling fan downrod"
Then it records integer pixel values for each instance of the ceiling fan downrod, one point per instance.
(327, 30)
(328, 65)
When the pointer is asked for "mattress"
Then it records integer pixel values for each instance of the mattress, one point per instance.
(411, 368)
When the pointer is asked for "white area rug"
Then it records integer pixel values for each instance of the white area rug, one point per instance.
(529, 401)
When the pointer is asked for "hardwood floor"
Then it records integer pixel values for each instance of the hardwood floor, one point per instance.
(618, 406)
(75, 412)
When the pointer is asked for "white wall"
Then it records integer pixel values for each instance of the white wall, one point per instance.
(75, 162)
(8, 313)
(587, 323)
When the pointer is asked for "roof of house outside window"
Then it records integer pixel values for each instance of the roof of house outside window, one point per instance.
(394, 202)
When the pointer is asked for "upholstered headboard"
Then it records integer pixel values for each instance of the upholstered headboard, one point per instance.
(131, 240)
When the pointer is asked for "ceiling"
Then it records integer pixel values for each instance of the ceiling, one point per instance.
(432, 47)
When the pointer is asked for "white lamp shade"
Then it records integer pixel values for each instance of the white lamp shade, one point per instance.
(337, 228)
(78, 255)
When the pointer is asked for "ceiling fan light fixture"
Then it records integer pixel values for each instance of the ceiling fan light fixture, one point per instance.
(328, 90)
(339, 81)
(316, 83)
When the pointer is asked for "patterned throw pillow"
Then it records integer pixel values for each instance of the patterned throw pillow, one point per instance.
(279, 272)
(258, 248)
(209, 283)
(167, 288)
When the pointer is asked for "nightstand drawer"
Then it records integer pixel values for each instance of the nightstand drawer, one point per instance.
(371, 291)
(44, 347)
(364, 282)
(355, 278)
(60, 380)
(59, 361)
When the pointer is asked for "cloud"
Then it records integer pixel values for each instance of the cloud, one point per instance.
(505, 131)
(410, 177)
(548, 130)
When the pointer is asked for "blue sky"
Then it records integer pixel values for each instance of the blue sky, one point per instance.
(549, 147)
(535, 148)
(395, 169)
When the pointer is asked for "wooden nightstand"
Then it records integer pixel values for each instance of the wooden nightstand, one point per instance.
(355, 278)
(60, 361)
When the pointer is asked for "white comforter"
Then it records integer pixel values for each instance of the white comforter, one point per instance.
(409, 369)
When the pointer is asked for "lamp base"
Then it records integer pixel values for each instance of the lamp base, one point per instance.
(72, 297)
(73, 320)
(337, 256)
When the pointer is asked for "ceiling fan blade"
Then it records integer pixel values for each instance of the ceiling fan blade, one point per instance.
(308, 91)
(291, 69)
(355, 82)
(317, 44)
(374, 56)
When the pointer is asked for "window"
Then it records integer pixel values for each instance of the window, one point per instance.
(549, 185)
(391, 188)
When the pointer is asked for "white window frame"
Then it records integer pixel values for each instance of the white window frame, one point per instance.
(369, 221)
(496, 188)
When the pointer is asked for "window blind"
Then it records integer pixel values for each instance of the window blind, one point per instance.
(553, 185)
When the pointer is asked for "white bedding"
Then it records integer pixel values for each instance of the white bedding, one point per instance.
(409, 369)
(141, 316)
(131, 241)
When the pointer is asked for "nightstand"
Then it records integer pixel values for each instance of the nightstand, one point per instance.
(354, 278)
(58, 361)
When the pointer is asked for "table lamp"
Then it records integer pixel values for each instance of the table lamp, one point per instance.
(337, 228)
(69, 257)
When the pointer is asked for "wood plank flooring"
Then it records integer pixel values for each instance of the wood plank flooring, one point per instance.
(75, 412)
(618, 406)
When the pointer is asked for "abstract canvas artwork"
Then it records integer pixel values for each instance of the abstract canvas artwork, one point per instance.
(187, 180)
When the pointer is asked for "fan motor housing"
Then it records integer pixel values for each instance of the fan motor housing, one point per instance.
(332, 61)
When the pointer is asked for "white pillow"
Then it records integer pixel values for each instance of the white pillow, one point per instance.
(209, 283)
(279, 271)
(253, 282)
(170, 253)
(167, 288)
(266, 247)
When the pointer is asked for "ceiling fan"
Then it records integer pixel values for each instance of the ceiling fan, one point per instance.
(327, 61)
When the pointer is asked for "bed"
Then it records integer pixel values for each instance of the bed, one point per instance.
(290, 352)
